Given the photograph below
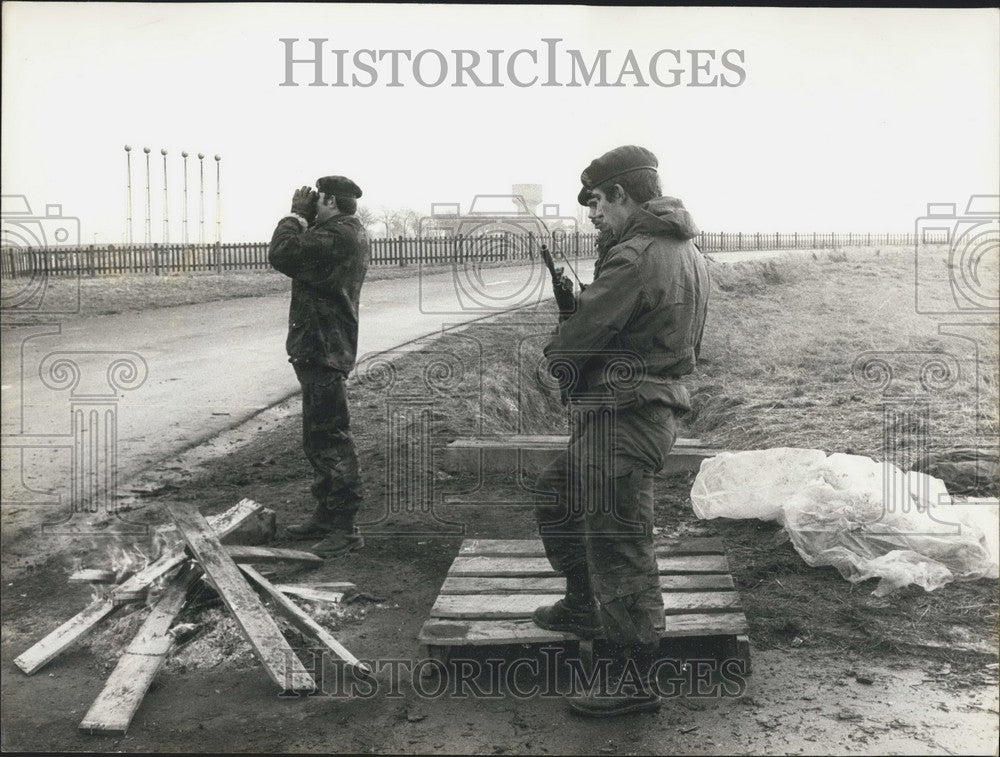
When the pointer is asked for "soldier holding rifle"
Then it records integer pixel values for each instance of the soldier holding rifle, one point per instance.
(624, 345)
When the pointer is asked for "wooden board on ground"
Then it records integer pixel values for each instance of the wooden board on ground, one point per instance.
(302, 621)
(494, 585)
(520, 605)
(247, 554)
(557, 584)
(540, 567)
(310, 594)
(93, 576)
(443, 632)
(695, 545)
(65, 635)
(532, 452)
(116, 705)
(247, 523)
(258, 627)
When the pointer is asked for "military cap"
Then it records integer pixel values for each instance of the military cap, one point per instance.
(338, 186)
(611, 165)
(584, 197)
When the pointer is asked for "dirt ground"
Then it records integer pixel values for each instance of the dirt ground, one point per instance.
(809, 693)
(835, 669)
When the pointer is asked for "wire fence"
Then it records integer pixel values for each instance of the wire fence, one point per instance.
(159, 259)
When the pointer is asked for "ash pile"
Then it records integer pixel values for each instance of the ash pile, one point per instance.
(212, 571)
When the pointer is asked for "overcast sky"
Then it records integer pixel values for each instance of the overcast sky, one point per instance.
(841, 120)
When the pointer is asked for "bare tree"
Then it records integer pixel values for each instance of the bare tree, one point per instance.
(389, 218)
(410, 222)
(366, 216)
(397, 222)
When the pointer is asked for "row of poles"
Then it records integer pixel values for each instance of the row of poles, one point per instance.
(166, 217)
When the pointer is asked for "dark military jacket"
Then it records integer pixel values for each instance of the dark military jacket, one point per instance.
(327, 265)
(638, 327)
(605, 241)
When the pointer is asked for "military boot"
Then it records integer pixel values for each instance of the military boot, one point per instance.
(319, 525)
(576, 613)
(339, 542)
(582, 621)
(627, 686)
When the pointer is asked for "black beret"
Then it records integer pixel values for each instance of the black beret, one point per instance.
(338, 186)
(619, 161)
(584, 197)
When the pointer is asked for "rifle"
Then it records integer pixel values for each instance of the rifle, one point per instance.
(561, 286)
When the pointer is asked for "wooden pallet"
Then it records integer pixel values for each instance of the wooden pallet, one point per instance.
(494, 585)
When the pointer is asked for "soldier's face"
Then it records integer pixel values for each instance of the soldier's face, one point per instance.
(592, 214)
(326, 208)
(611, 214)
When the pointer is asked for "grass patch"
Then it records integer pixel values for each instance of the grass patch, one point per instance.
(782, 358)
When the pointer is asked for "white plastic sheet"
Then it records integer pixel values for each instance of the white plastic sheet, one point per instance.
(866, 519)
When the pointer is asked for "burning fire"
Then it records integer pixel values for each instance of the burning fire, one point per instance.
(124, 560)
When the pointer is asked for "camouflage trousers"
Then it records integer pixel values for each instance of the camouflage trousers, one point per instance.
(329, 446)
(598, 525)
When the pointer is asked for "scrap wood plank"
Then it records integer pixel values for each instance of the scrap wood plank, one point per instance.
(302, 620)
(698, 545)
(223, 524)
(311, 594)
(246, 522)
(248, 554)
(516, 441)
(58, 640)
(493, 607)
(557, 584)
(93, 576)
(341, 586)
(135, 588)
(440, 632)
(532, 452)
(258, 627)
(540, 567)
(116, 705)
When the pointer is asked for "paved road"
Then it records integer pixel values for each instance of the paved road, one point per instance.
(142, 387)
(84, 396)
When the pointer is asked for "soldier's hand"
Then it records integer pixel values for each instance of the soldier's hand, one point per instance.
(562, 286)
(304, 202)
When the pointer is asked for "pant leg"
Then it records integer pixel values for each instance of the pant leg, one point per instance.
(561, 526)
(329, 446)
(619, 527)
